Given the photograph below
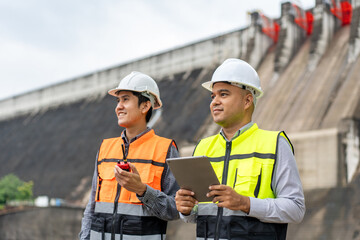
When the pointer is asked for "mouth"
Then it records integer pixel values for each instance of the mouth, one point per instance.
(216, 110)
(121, 114)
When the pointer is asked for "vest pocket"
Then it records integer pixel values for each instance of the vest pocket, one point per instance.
(202, 227)
(98, 223)
(147, 175)
(247, 175)
(249, 228)
(108, 184)
(146, 172)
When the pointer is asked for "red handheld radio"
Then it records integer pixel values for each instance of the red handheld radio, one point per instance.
(124, 165)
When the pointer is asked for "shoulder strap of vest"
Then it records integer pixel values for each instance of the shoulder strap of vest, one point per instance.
(167, 140)
(283, 134)
(174, 144)
(197, 144)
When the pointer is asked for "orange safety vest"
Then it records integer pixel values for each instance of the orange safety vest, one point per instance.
(148, 154)
(127, 218)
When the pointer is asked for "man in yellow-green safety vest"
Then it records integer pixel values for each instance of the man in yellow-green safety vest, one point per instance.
(260, 190)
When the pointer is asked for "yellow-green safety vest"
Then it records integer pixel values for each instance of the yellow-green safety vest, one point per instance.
(246, 164)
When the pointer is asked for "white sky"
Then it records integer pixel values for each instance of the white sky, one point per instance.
(44, 42)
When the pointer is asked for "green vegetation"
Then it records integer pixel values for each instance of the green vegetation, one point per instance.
(12, 188)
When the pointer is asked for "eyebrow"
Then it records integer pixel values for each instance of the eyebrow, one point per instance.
(122, 96)
(222, 90)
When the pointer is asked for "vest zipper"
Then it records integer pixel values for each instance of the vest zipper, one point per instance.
(224, 181)
(118, 189)
(115, 212)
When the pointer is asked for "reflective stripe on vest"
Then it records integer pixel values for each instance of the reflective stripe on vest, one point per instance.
(246, 164)
(211, 209)
(123, 208)
(107, 236)
(131, 220)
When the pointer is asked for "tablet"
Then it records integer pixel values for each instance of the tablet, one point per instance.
(195, 174)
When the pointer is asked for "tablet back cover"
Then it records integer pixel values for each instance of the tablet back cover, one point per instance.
(195, 174)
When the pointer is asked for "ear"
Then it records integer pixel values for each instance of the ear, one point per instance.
(145, 107)
(249, 99)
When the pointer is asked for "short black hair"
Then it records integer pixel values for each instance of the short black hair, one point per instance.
(142, 99)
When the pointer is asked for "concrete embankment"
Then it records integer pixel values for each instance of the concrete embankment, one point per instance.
(312, 91)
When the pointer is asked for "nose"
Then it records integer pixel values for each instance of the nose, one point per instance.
(119, 106)
(214, 101)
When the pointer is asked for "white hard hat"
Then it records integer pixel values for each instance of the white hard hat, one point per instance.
(142, 83)
(238, 73)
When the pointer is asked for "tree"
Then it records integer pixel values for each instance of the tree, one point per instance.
(12, 188)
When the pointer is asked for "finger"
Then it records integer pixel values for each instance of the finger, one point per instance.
(185, 192)
(179, 197)
(117, 170)
(184, 210)
(189, 199)
(133, 169)
(185, 203)
(184, 207)
(221, 204)
(185, 199)
(217, 187)
(218, 198)
(214, 193)
(121, 175)
(123, 172)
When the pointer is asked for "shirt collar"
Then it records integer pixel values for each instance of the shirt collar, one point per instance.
(126, 141)
(238, 132)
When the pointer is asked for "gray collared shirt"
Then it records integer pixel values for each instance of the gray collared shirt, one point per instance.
(238, 132)
(160, 203)
(289, 204)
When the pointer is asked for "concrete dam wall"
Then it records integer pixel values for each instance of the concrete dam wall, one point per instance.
(312, 91)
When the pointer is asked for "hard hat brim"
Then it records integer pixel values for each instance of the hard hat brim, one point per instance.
(209, 84)
(112, 92)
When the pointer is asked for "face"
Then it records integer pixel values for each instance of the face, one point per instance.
(229, 104)
(128, 111)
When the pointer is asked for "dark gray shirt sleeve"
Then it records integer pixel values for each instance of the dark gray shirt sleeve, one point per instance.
(162, 203)
(89, 210)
